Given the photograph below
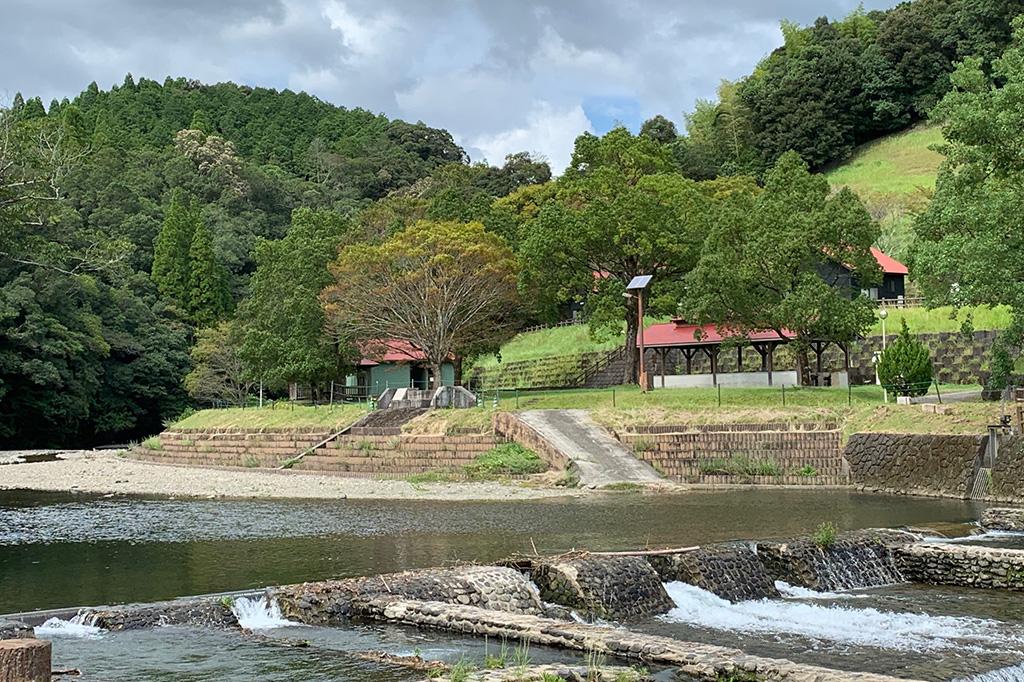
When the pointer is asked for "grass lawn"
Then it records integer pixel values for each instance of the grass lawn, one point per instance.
(568, 340)
(943, 319)
(895, 164)
(860, 410)
(278, 416)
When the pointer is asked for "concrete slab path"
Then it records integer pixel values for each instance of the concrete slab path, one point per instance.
(601, 459)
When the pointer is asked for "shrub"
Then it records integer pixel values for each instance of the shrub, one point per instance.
(807, 471)
(826, 535)
(905, 367)
(153, 443)
(506, 459)
(643, 445)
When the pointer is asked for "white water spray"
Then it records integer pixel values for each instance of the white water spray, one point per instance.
(797, 592)
(83, 624)
(259, 614)
(859, 626)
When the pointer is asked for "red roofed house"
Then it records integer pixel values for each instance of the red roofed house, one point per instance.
(385, 364)
(894, 274)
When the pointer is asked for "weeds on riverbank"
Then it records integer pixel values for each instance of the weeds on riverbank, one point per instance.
(507, 459)
(153, 443)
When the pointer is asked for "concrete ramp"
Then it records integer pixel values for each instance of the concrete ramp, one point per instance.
(600, 459)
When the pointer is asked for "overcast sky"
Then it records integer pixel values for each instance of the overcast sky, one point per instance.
(501, 75)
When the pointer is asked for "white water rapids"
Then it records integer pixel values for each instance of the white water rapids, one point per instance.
(259, 614)
(82, 624)
(841, 624)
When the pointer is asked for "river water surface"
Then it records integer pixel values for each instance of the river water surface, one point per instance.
(61, 550)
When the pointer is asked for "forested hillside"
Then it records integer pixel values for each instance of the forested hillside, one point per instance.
(131, 218)
(176, 244)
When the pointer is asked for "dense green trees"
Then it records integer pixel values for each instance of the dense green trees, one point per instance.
(970, 246)
(836, 84)
(790, 258)
(619, 211)
(446, 288)
(282, 323)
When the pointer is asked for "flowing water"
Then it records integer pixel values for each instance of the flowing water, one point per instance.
(59, 550)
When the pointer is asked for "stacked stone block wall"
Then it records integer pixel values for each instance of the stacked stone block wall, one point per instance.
(233, 447)
(692, 454)
(380, 452)
(732, 572)
(963, 565)
(920, 464)
(384, 456)
(605, 587)
(859, 559)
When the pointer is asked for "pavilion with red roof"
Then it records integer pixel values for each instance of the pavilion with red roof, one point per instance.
(707, 343)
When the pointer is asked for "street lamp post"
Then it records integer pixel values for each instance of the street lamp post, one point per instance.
(882, 314)
(639, 284)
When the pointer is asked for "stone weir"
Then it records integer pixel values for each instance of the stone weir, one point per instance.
(731, 571)
(851, 560)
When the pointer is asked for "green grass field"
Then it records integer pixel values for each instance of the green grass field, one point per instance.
(902, 163)
(276, 416)
(861, 409)
(544, 343)
(943, 319)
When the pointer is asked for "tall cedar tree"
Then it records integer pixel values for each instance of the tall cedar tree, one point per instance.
(283, 322)
(209, 298)
(171, 253)
(791, 258)
(905, 367)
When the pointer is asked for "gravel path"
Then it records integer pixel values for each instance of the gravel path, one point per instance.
(105, 473)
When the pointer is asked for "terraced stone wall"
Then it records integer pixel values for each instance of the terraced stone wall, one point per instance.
(802, 454)
(367, 452)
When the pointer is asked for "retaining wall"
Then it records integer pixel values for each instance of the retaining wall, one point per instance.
(1008, 473)
(703, 454)
(510, 427)
(918, 464)
(376, 452)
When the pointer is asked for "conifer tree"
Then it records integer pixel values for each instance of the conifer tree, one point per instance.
(209, 299)
(906, 365)
(171, 252)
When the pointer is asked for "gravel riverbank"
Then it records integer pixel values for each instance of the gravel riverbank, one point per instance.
(105, 472)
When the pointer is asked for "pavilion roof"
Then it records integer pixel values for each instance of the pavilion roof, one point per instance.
(679, 333)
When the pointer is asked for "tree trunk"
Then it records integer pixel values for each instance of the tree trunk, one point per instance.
(435, 375)
(803, 366)
(632, 371)
(25, 660)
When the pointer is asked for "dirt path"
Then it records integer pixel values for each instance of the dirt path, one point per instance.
(105, 473)
(601, 459)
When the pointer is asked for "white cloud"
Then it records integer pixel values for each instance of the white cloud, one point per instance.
(548, 131)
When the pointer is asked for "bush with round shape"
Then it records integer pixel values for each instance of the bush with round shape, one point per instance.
(905, 367)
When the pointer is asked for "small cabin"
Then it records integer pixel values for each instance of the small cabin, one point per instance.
(395, 364)
(894, 274)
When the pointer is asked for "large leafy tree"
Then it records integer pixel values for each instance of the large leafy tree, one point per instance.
(282, 320)
(620, 211)
(970, 246)
(446, 288)
(790, 258)
(218, 374)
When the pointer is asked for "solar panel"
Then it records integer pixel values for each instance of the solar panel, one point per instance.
(639, 282)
